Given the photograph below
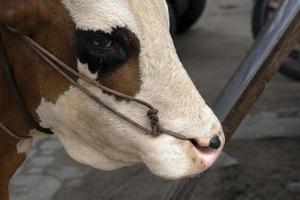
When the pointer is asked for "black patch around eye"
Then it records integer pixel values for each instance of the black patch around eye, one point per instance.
(104, 52)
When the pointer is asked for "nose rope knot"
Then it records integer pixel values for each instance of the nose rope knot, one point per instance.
(152, 114)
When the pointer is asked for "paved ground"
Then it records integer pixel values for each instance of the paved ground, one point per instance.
(268, 168)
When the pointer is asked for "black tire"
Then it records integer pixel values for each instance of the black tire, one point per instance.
(173, 19)
(259, 16)
(291, 67)
(191, 15)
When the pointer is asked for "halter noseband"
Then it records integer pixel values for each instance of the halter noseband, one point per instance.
(64, 69)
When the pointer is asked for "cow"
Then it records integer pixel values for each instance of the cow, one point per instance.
(124, 45)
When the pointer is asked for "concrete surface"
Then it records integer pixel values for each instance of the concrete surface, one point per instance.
(211, 51)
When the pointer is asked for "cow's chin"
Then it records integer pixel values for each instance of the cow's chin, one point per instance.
(171, 159)
(164, 156)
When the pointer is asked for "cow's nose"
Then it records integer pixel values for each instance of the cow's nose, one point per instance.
(215, 142)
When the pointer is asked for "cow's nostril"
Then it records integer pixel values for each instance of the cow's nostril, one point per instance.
(215, 142)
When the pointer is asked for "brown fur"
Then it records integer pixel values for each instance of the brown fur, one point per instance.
(126, 78)
(48, 23)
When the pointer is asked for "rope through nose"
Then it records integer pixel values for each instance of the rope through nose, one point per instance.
(12, 134)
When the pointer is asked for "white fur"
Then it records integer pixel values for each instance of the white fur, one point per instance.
(101, 14)
(24, 145)
(94, 136)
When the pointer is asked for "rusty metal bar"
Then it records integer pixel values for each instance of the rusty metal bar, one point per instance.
(263, 61)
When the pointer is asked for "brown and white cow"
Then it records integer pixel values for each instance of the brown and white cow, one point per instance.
(125, 45)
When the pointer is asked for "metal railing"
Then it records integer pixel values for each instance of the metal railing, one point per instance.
(264, 59)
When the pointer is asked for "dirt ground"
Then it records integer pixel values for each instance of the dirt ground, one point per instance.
(268, 169)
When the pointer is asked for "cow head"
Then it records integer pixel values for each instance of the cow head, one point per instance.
(125, 45)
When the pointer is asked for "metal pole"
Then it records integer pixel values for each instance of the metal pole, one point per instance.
(263, 61)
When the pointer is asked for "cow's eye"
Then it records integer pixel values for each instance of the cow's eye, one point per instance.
(102, 52)
(101, 43)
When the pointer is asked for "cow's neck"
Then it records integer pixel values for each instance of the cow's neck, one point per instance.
(34, 78)
(10, 160)
(10, 114)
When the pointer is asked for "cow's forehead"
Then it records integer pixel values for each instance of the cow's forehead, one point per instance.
(107, 14)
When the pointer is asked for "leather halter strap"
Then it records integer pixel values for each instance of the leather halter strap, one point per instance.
(65, 70)
(15, 91)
